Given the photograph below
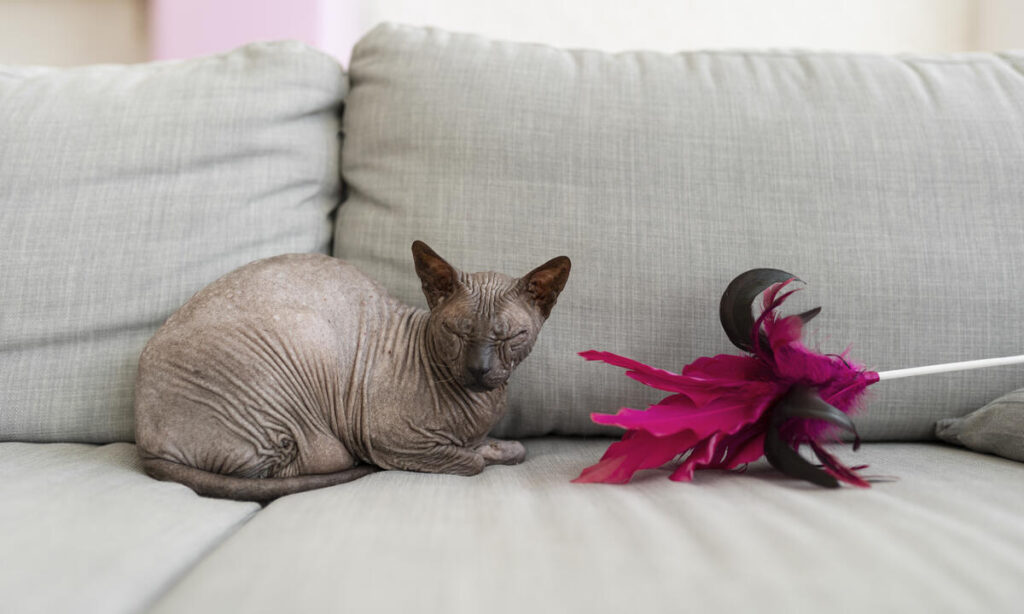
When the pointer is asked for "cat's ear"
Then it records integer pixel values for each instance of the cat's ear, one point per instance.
(438, 276)
(543, 284)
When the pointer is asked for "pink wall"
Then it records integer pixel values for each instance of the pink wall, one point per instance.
(188, 28)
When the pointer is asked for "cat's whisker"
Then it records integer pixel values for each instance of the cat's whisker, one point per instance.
(438, 380)
(436, 367)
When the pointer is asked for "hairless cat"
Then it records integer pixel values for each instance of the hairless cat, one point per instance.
(298, 372)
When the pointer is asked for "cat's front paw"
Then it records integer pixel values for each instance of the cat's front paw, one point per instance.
(502, 451)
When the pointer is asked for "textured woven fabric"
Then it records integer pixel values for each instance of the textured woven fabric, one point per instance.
(946, 537)
(996, 428)
(892, 185)
(124, 190)
(82, 529)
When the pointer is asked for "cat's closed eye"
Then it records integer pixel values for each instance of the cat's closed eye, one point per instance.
(514, 338)
(454, 329)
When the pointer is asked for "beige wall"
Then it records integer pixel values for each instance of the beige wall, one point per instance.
(69, 32)
(1001, 24)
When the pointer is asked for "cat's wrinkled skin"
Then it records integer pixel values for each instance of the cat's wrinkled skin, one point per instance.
(298, 372)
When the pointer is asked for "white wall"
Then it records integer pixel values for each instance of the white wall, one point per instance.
(68, 32)
(670, 25)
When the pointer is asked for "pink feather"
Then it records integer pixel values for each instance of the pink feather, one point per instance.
(719, 413)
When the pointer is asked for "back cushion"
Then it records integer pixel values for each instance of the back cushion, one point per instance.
(124, 190)
(891, 185)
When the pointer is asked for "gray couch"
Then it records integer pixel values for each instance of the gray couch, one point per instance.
(892, 185)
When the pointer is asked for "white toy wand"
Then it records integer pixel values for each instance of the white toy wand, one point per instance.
(951, 366)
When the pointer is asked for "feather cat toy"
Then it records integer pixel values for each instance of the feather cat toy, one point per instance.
(726, 411)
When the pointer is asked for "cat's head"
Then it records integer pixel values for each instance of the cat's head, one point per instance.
(484, 324)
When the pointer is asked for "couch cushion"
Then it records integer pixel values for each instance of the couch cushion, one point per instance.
(82, 529)
(890, 184)
(124, 190)
(945, 537)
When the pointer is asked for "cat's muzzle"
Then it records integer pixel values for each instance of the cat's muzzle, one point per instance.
(482, 380)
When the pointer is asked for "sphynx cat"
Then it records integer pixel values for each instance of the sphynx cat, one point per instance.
(299, 372)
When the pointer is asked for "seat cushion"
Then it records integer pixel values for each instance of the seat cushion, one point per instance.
(891, 185)
(945, 537)
(123, 191)
(82, 529)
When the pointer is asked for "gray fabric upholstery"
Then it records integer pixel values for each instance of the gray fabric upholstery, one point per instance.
(889, 184)
(945, 537)
(125, 189)
(996, 428)
(82, 529)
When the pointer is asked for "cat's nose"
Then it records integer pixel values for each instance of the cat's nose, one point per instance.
(478, 373)
(478, 363)
(477, 379)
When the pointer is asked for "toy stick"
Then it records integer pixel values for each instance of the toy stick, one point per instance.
(951, 366)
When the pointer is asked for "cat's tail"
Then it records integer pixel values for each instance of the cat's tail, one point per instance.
(211, 484)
